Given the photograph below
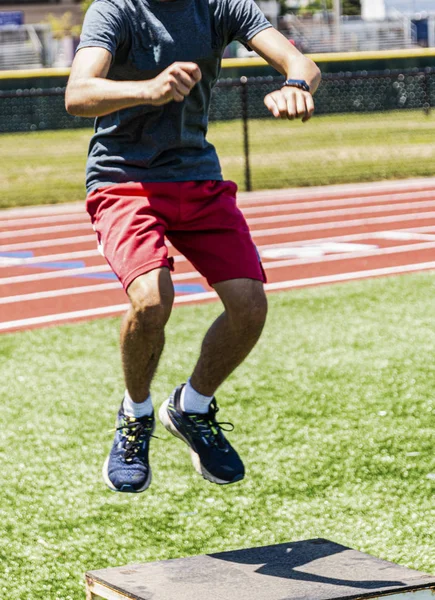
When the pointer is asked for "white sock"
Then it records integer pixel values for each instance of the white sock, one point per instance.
(137, 409)
(192, 401)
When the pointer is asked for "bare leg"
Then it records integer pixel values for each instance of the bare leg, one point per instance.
(142, 331)
(233, 335)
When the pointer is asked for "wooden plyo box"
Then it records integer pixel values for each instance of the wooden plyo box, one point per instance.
(309, 570)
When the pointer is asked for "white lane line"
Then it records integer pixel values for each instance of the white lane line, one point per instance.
(282, 285)
(408, 234)
(414, 232)
(39, 225)
(308, 281)
(77, 314)
(112, 285)
(406, 202)
(386, 206)
(193, 275)
(79, 239)
(45, 230)
(354, 189)
(293, 262)
(50, 258)
(77, 272)
(80, 271)
(341, 224)
(403, 235)
(360, 210)
(255, 233)
(35, 221)
(407, 185)
(56, 274)
(43, 210)
(354, 237)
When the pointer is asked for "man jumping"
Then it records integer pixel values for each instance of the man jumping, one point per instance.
(145, 69)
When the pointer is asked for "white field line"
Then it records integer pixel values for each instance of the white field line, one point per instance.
(277, 264)
(83, 219)
(282, 285)
(303, 216)
(45, 230)
(255, 233)
(360, 210)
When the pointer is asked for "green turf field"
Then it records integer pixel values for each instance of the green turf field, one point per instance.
(48, 167)
(334, 414)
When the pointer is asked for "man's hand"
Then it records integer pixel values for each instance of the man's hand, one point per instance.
(290, 103)
(173, 84)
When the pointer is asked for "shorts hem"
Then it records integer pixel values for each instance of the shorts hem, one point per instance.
(256, 276)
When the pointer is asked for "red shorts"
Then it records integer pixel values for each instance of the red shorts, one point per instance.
(199, 218)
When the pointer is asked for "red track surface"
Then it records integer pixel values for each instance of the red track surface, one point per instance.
(52, 273)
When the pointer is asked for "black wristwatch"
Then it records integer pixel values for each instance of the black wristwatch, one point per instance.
(298, 83)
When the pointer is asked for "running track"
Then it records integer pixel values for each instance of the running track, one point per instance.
(51, 272)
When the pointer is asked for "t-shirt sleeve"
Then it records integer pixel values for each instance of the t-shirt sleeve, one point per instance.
(103, 27)
(244, 20)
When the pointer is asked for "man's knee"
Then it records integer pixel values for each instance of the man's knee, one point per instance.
(151, 296)
(247, 307)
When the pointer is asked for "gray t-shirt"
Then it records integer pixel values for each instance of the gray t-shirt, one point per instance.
(165, 143)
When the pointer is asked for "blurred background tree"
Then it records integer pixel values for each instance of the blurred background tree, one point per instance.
(85, 4)
(349, 7)
(63, 26)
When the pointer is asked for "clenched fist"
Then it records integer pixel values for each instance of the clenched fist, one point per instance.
(174, 83)
(290, 103)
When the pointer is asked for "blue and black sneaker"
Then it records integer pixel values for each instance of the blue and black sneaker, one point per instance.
(212, 455)
(127, 469)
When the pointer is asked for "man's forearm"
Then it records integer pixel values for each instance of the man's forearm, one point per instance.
(96, 97)
(300, 67)
(285, 58)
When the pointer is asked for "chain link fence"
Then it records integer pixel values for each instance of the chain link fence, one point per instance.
(376, 122)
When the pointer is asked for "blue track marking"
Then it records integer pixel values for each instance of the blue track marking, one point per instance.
(75, 264)
(24, 254)
(102, 275)
(180, 288)
(189, 288)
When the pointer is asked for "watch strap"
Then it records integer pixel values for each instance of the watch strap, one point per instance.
(298, 83)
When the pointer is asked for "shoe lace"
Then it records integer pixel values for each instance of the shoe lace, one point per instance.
(210, 429)
(136, 433)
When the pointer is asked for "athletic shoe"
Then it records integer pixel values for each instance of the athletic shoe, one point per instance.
(127, 469)
(212, 455)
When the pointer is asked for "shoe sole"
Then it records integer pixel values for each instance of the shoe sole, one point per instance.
(125, 488)
(166, 421)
